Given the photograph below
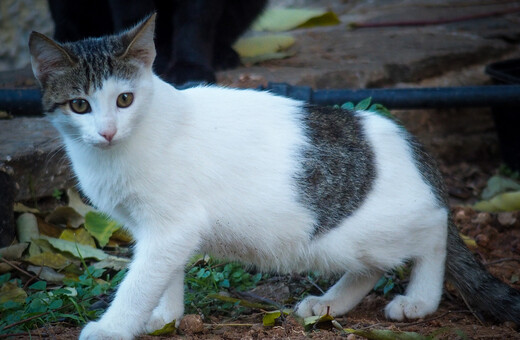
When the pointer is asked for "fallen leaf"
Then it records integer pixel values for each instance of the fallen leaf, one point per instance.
(49, 229)
(21, 208)
(80, 235)
(509, 201)
(260, 48)
(46, 273)
(269, 318)
(318, 321)
(113, 262)
(13, 252)
(53, 260)
(11, 292)
(168, 329)
(66, 216)
(75, 249)
(122, 235)
(498, 185)
(76, 202)
(27, 227)
(100, 226)
(470, 243)
(385, 334)
(284, 19)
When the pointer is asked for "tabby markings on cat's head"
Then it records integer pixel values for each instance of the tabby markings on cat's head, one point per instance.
(95, 89)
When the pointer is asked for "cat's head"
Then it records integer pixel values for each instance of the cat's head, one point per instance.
(95, 90)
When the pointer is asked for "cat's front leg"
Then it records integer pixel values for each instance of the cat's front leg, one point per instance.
(170, 307)
(157, 255)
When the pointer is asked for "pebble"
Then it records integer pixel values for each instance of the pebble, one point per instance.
(191, 324)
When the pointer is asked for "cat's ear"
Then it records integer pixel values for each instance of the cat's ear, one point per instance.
(139, 42)
(47, 56)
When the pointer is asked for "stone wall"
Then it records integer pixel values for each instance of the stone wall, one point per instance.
(17, 19)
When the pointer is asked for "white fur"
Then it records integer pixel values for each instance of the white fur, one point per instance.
(212, 169)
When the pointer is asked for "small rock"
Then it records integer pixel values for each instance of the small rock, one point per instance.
(506, 218)
(482, 218)
(191, 324)
(351, 337)
(460, 216)
(511, 324)
(482, 240)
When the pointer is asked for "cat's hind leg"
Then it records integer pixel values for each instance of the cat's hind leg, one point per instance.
(424, 291)
(341, 297)
(171, 305)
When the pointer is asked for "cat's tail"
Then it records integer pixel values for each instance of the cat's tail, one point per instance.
(481, 291)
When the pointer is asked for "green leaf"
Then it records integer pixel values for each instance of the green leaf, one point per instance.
(388, 287)
(55, 304)
(38, 285)
(283, 19)
(348, 106)
(363, 105)
(168, 329)
(80, 235)
(4, 278)
(76, 249)
(100, 226)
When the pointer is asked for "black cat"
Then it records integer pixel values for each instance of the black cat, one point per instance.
(193, 37)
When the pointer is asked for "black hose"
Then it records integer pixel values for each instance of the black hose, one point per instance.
(435, 97)
(28, 101)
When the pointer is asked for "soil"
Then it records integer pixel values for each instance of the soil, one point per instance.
(497, 238)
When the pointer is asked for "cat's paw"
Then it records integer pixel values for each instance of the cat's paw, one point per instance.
(96, 330)
(316, 305)
(404, 307)
(160, 318)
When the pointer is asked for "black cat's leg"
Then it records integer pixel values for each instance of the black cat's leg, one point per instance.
(194, 33)
(236, 18)
(80, 19)
(341, 297)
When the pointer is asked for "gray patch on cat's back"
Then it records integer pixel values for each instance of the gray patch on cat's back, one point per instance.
(95, 60)
(428, 169)
(338, 167)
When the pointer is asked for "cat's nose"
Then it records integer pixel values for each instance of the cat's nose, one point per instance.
(108, 134)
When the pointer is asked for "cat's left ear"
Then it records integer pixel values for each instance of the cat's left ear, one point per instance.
(139, 42)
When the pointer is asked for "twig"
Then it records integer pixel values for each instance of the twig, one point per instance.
(472, 311)
(244, 303)
(404, 324)
(260, 299)
(314, 284)
(229, 324)
(27, 334)
(33, 278)
(507, 259)
(433, 22)
(16, 267)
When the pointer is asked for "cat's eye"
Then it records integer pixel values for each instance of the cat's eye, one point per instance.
(79, 105)
(125, 99)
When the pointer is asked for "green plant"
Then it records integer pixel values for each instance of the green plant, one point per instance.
(365, 105)
(393, 280)
(211, 277)
(38, 304)
(57, 194)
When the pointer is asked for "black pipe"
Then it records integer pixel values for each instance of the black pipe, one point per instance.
(28, 101)
(436, 97)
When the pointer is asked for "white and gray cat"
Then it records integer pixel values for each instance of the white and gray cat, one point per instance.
(252, 177)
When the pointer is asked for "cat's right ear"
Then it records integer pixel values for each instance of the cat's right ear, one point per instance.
(47, 56)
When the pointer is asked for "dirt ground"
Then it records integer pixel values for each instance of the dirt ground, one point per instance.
(498, 246)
